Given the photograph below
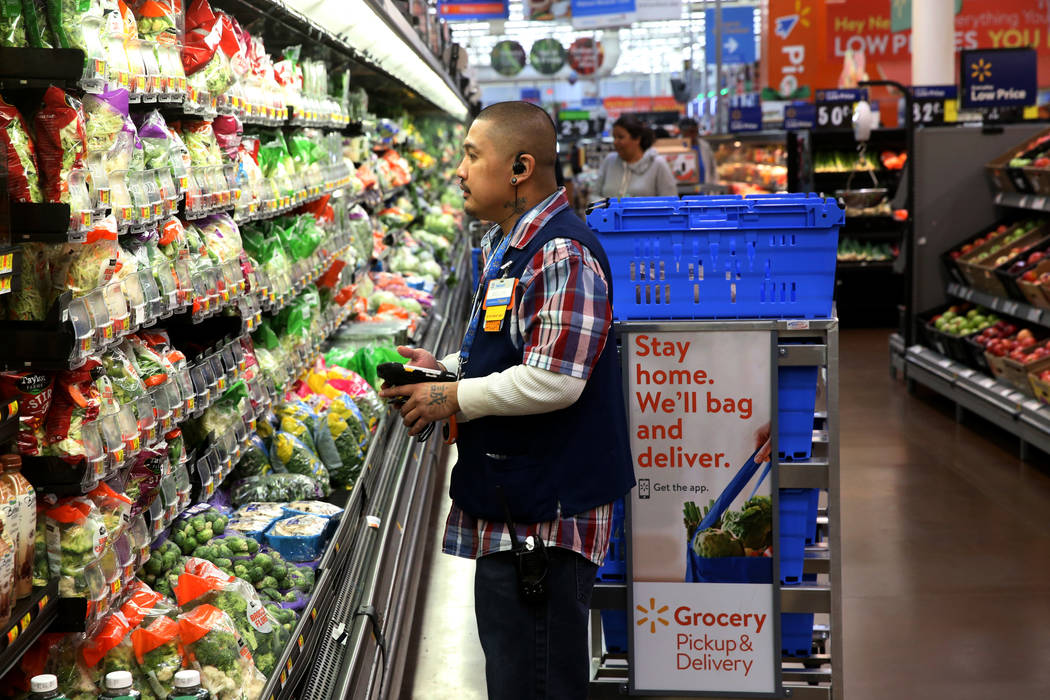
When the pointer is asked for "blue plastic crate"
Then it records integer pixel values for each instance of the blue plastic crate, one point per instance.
(760, 256)
(614, 628)
(796, 399)
(796, 634)
(614, 569)
(794, 511)
(811, 516)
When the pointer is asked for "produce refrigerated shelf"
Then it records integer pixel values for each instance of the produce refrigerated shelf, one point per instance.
(1017, 200)
(1002, 305)
(999, 403)
(32, 68)
(32, 616)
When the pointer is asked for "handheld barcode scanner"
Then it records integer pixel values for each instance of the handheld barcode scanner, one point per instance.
(397, 374)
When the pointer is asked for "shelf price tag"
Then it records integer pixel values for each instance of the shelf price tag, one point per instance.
(835, 107)
(1011, 308)
(1034, 315)
(930, 104)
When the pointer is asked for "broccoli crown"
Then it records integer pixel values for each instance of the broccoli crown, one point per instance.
(164, 656)
(233, 604)
(119, 658)
(218, 649)
(265, 663)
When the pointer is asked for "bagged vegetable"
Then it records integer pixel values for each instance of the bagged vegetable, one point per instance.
(157, 654)
(288, 452)
(114, 507)
(94, 263)
(298, 538)
(67, 663)
(144, 606)
(104, 115)
(276, 487)
(157, 144)
(152, 367)
(31, 302)
(200, 140)
(128, 386)
(213, 646)
(60, 139)
(109, 649)
(349, 430)
(255, 461)
(76, 535)
(155, 18)
(203, 583)
(41, 569)
(76, 400)
(67, 19)
(12, 27)
(23, 184)
(37, 33)
(33, 392)
(297, 418)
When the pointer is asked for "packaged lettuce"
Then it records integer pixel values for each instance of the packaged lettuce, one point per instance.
(115, 508)
(228, 131)
(23, 184)
(67, 22)
(156, 141)
(30, 303)
(75, 401)
(12, 26)
(60, 139)
(200, 140)
(255, 461)
(151, 366)
(37, 33)
(128, 387)
(104, 114)
(349, 430)
(86, 266)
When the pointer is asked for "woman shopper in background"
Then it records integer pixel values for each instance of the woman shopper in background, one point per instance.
(636, 169)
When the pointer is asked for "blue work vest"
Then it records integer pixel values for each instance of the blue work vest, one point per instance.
(576, 458)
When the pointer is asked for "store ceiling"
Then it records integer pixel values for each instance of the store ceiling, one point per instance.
(645, 47)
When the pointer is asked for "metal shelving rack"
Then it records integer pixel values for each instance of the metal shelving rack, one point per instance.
(819, 676)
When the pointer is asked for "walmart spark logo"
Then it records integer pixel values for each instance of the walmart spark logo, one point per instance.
(784, 25)
(981, 70)
(652, 615)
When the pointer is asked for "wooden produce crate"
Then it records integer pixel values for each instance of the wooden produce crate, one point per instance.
(1034, 293)
(1016, 373)
(983, 275)
(1006, 179)
(1040, 389)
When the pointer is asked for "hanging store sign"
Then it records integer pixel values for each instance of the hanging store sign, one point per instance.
(745, 119)
(592, 14)
(737, 36)
(508, 58)
(454, 11)
(703, 613)
(548, 10)
(586, 55)
(934, 104)
(547, 56)
(835, 107)
(800, 115)
(998, 78)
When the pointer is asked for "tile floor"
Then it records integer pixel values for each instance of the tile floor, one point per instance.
(946, 560)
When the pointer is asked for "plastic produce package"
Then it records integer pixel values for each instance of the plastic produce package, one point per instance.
(156, 648)
(291, 454)
(204, 583)
(109, 649)
(38, 35)
(276, 487)
(144, 606)
(76, 534)
(213, 646)
(349, 429)
(60, 142)
(299, 537)
(32, 301)
(23, 184)
(255, 461)
(76, 401)
(33, 392)
(321, 508)
(114, 507)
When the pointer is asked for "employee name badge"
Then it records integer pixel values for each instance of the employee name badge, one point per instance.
(498, 297)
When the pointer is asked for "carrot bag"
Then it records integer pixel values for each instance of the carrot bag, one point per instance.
(158, 655)
(203, 583)
(212, 646)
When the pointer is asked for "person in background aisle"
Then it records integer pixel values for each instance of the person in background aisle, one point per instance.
(705, 156)
(540, 411)
(635, 170)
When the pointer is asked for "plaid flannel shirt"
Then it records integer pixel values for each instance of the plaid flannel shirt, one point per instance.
(561, 324)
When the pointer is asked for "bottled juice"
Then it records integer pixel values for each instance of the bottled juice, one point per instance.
(25, 496)
(45, 687)
(188, 686)
(119, 686)
(7, 574)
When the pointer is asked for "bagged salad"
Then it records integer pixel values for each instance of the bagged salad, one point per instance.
(109, 649)
(114, 507)
(255, 461)
(38, 35)
(23, 184)
(291, 454)
(60, 139)
(33, 391)
(276, 487)
(12, 26)
(157, 655)
(76, 401)
(76, 535)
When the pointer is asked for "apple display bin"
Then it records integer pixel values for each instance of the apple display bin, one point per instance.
(697, 257)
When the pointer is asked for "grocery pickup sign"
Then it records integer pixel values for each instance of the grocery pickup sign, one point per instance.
(703, 616)
(998, 78)
(454, 10)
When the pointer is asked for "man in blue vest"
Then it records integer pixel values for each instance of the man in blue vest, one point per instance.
(543, 449)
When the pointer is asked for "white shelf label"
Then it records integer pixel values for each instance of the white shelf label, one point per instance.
(1034, 315)
(1024, 202)
(1011, 307)
(1032, 405)
(944, 363)
(986, 382)
(999, 198)
(1039, 203)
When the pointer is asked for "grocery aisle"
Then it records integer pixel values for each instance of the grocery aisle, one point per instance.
(445, 661)
(946, 557)
(946, 546)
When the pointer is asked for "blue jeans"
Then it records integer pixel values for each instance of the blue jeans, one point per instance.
(541, 652)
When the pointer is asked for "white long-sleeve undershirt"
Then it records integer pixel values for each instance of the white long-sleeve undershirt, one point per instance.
(518, 391)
